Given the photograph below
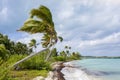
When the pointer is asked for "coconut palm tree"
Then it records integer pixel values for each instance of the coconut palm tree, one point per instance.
(40, 21)
(33, 44)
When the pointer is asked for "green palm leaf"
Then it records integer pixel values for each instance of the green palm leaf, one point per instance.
(33, 26)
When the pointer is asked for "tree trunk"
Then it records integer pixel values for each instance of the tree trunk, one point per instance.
(26, 58)
(49, 54)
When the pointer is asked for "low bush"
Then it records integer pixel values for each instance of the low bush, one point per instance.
(59, 58)
(35, 63)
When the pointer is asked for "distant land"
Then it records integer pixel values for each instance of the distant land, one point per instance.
(102, 57)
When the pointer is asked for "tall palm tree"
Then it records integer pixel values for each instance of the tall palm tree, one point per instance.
(40, 21)
(33, 44)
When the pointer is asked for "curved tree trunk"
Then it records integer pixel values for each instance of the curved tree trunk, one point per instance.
(48, 56)
(26, 58)
(31, 55)
(50, 52)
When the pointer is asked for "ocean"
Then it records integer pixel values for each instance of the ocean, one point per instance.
(92, 69)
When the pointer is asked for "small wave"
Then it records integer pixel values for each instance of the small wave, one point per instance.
(99, 73)
(78, 73)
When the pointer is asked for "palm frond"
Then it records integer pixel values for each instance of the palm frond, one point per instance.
(45, 40)
(40, 15)
(33, 26)
(40, 21)
(47, 12)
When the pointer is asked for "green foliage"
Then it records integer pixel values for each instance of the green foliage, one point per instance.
(36, 62)
(14, 58)
(4, 53)
(60, 38)
(20, 48)
(41, 24)
(3, 73)
(6, 74)
(66, 55)
(32, 43)
(54, 52)
(27, 74)
(43, 13)
(33, 26)
(76, 55)
(4, 40)
(1, 60)
(59, 58)
(12, 47)
(45, 40)
(40, 21)
(5, 68)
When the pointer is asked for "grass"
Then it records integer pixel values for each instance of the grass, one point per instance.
(23, 74)
(27, 74)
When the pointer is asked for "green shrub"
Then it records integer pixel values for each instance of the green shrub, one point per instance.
(4, 53)
(4, 73)
(13, 59)
(74, 56)
(35, 63)
(60, 58)
(5, 66)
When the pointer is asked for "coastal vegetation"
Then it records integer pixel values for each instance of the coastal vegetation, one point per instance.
(19, 61)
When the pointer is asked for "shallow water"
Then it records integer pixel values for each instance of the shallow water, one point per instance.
(93, 69)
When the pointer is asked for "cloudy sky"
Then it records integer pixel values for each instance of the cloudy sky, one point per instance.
(91, 27)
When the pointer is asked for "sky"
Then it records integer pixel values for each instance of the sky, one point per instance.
(91, 27)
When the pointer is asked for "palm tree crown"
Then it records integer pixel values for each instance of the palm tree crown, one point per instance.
(40, 21)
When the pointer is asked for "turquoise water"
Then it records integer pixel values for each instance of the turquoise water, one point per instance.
(107, 69)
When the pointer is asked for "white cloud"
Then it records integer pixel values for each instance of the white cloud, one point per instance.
(26, 38)
(84, 24)
(66, 11)
(3, 14)
(88, 24)
(95, 34)
(114, 38)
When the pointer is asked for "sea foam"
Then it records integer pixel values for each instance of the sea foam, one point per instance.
(74, 72)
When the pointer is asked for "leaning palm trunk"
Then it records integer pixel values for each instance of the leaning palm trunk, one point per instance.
(49, 54)
(50, 51)
(26, 58)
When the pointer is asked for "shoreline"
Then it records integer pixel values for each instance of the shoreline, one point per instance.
(66, 71)
(56, 73)
(75, 72)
